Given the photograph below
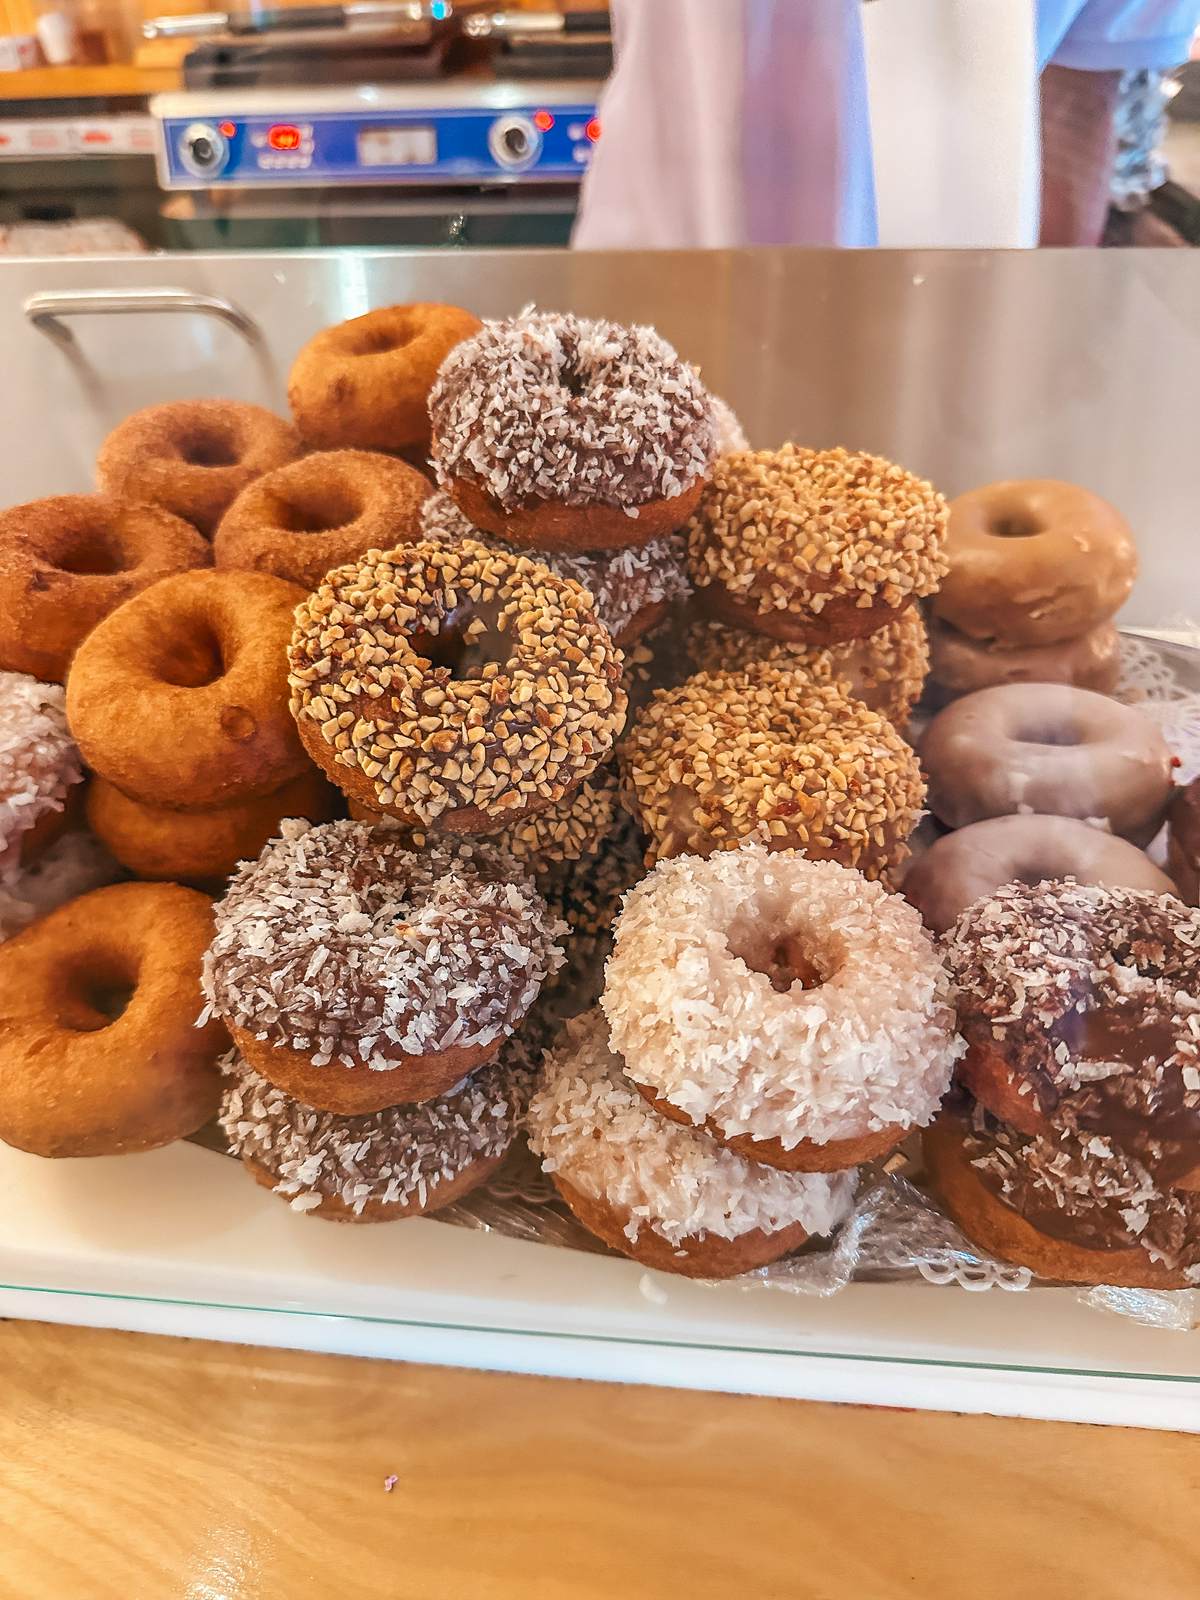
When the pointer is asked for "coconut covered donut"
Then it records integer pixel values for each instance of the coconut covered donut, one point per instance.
(99, 1049)
(455, 688)
(814, 546)
(180, 697)
(960, 664)
(73, 865)
(666, 1195)
(364, 384)
(67, 562)
(403, 1161)
(731, 435)
(194, 457)
(796, 1011)
(356, 974)
(320, 512)
(40, 770)
(559, 433)
(769, 753)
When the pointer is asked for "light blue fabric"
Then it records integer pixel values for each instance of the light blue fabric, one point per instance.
(1116, 35)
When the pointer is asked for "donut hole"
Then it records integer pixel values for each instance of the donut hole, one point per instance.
(1064, 736)
(786, 958)
(378, 340)
(208, 447)
(96, 991)
(572, 380)
(1015, 525)
(317, 511)
(467, 640)
(191, 658)
(88, 554)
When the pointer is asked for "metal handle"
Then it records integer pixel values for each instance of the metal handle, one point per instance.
(47, 310)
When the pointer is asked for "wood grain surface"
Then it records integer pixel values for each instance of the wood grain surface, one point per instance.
(157, 1469)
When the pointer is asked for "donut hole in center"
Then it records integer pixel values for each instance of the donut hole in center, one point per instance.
(88, 555)
(1063, 737)
(786, 958)
(572, 380)
(208, 447)
(96, 991)
(466, 642)
(333, 507)
(191, 659)
(378, 341)
(1015, 525)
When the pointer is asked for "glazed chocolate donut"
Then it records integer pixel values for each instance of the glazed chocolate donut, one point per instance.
(40, 770)
(180, 697)
(795, 1011)
(194, 457)
(1081, 1011)
(975, 861)
(1071, 1209)
(1050, 749)
(320, 512)
(99, 1049)
(960, 664)
(665, 1195)
(364, 384)
(814, 546)
(66, 562)
(201, 847)
(559, 433)
(454, 687)
(1034, 562)
(404, 972)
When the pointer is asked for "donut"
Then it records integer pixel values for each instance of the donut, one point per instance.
(40, 771)
(796, 1011)
(1047, 748)
(320, 512)
(769, 753)
(975, 861)
(1183, 840)
(631, 588)
(960, 664)
(403, 1161)
(1071, 1209)
(454, 687)
(401, 972)
(99, 1049)
(814, 546)
(72, 866)
(666, 1195)
(1034, 562)
(731, 435)
(194, 457)
(66, 562)
(200, 847)
(1080, 1006)
(559, 433)
(180, 697)
(885, 670)
(364, 384)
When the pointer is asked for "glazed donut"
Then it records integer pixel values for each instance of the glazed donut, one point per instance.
(403, 973)
(1034, 562)
(200, 847)
(320, 512)
(454, 687)
(364, 384)
(99, 1049)
(797, 1012)
(814, 546)
(770, 754)
(66, 562)
(1183, 840)
(194, 457)
(40, 771)
(1071, 1209)
(631, 588)
(559, 433)
(975, 861)
(962, 664)
(1081, 1011)
(403, 1161)
(180, 697)
(665, 1195)
(885, 670)
(1050, 749)
(72, 866)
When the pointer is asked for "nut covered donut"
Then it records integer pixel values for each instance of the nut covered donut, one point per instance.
(459, 688)
(66, 562)
(364, 384)
(666, 1195)
(814, 546)
(99, 1049)
(1047, 748)
(566, 434)
(194, 457)
(356, 974)
(40, 770)
(180, 697)
(796, 1011)
(320, 512)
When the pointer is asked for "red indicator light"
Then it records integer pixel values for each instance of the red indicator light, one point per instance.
(227, 129)
(543, 121)
(284, 137)
(593, 129)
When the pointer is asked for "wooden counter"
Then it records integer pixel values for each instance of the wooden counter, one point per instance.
(85, 83)
(162, 1469)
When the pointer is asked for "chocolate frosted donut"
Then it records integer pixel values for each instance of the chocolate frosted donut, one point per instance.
(40, 769)
(974, 862)
(1034, 562)
(1050, 749)
(960, 664)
